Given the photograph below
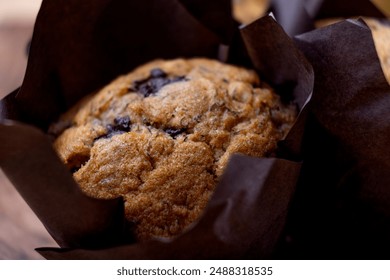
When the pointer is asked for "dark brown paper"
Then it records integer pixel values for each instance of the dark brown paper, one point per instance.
(342, 204)
(98, 40)
(340, 208)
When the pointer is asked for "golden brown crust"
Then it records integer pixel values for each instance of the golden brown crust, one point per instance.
(163, 143)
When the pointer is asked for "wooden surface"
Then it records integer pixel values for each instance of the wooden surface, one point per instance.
(20, 230)
(13, 42)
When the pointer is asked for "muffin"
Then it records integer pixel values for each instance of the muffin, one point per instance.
(381, 36)
(161, 136)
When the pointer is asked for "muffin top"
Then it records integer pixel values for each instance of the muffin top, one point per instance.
(161, 136)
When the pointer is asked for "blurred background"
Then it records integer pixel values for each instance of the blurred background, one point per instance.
(20, 230)
(384, 5)
(16, 23)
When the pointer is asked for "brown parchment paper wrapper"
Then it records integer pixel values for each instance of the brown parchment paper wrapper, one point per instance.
(341, 209)
(78, 47)
(341, 205)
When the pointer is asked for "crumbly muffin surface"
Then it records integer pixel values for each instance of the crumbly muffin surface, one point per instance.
(162, 135)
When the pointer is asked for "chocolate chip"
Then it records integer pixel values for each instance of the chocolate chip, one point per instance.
(157, 73)
(121, 125)
(151, 85)
(174, 132)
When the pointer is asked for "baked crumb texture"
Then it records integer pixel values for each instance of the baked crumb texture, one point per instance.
(162, 135)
